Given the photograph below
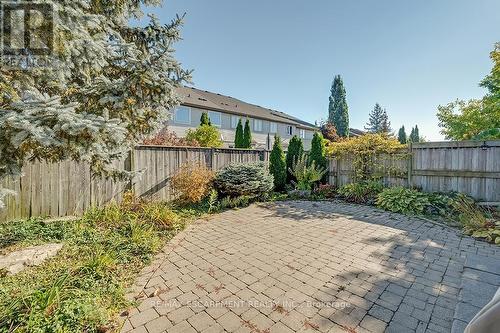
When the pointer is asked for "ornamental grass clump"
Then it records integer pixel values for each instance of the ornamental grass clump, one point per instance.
(252, 180)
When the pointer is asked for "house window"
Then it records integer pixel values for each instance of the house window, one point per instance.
(182, 115)
(273, 127)
(302, 133)
(215, 118)
(289, 130)
(234, 121)
(257, 125)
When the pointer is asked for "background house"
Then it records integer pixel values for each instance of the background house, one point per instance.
(225, 112)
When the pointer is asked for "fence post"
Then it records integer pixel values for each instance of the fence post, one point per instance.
(410, 165)
(212, 158)
(129, 166)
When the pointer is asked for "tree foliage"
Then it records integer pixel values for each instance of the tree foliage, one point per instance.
(247, 135)
(329, 132)
(318, 152)
(168, 138)
(206, 136)
(294, 152)
(338, 111)
(204, 119)
(112, 85)
(378, 121)
(277, 164)
(402, 138)
(238, 137)
(473, 119)
(414, 135)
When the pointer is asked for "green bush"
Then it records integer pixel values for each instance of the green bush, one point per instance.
(295, 151)
(317, 153)
(277, 164)
(252, 179)
(306, 175)
(205, 135)
(403, 200)
(364, 192)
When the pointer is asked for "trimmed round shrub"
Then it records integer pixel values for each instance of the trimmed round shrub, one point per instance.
(252, 179)
(403, 200)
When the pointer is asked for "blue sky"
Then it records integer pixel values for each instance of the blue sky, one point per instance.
(409, 56)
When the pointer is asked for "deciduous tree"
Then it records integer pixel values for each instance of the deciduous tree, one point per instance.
(475, 119)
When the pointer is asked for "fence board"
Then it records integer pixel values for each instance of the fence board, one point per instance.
(470, 167)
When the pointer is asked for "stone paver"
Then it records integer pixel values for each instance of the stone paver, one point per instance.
(314, 266)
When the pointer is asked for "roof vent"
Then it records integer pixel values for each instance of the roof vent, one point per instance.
(202, 99)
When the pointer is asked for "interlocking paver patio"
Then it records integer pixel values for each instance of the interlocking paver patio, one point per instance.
(313, 266)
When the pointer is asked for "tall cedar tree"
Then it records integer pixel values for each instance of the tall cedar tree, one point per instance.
(277, 164)
(247, 135)
(205, 120)
(414, 135)
(338, 111)
(318, 153)
(238, 138)
(379, 121)
(402, 138)
(295, 151)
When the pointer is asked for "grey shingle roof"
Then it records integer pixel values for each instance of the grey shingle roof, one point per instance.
(217, 102)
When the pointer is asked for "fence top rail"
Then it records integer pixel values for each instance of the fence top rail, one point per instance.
(457, 144)
(208, 149)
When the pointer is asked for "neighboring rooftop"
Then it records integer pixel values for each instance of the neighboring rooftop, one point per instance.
(217, 102)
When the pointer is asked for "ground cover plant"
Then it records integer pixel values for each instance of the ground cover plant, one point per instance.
(403, 200)
(362, 192)
(82, 289)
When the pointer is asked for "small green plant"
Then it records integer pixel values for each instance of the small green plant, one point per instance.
(363, 192)
(403, 200)
(212, 201)
(236, 202)
(251, 179)
(306, 174)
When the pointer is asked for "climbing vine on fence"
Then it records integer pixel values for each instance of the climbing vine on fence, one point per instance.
(372, 155)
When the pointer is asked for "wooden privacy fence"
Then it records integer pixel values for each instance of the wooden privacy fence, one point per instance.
(67, 188)
(470, 167)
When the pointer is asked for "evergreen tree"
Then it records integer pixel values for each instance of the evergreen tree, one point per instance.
(338, 111)
(247, 135)
(238, 138)
(295, 151)
(112, 84)
(277, 164)
(414, 136)
(378, 121)
(205, 120)
(318, 152)
(402, 135)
